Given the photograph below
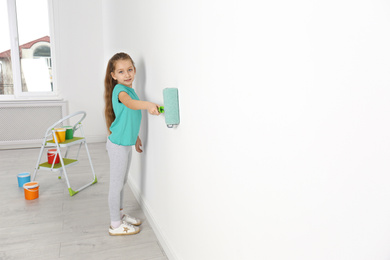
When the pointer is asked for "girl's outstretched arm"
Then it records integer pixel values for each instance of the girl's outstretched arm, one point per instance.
(138, 104)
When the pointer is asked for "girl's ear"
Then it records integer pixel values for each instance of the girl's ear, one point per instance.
(113, 75)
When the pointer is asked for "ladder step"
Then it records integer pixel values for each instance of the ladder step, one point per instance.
(68, 162)
(66, 143)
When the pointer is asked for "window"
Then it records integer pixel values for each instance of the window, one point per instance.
(6, 83)
(25, 50)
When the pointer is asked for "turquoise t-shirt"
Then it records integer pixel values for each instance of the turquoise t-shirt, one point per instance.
(125, 128)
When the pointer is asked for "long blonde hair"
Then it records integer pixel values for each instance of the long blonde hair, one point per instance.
(109, 84)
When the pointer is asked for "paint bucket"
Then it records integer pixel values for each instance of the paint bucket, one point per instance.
(69, 132)
(60, 134)
(23, 178)
(31, 190)
(53, 155)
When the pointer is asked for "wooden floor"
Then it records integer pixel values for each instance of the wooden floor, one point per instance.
(58, 226)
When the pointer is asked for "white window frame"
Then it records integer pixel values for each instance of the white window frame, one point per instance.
(16, 69)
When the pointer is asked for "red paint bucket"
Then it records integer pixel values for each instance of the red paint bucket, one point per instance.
(53, 155)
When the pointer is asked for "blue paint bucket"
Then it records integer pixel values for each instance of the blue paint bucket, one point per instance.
(23, 178)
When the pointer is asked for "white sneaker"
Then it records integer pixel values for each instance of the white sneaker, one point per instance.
(124, 229)
(131, 220)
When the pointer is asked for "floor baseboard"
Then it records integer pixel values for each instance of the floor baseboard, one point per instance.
(152, 220)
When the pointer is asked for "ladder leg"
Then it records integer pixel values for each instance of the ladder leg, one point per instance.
(63, 170)
(39, 159)
(78, 151)
(66, 156)
(90, 162)
(67, 151)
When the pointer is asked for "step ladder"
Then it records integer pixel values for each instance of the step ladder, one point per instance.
(65, 162)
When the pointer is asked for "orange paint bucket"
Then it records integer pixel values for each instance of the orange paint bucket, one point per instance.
(31, 190)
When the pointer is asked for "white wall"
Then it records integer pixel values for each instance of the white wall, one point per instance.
(283, 147)
(78, 35)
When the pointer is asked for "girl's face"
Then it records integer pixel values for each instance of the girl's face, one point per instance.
(124, 72)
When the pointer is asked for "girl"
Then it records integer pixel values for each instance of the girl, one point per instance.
(123, 119)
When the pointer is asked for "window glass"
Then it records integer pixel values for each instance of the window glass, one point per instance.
(34, 45)
(6, 78)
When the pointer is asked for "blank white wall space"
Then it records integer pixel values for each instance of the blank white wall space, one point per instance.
(283, 147)
(80, 66)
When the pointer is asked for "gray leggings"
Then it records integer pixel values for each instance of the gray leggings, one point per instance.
(120, 158)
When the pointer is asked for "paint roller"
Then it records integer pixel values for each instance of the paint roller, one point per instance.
(171, 107)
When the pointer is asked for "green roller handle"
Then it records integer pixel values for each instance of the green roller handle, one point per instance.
(161, 110)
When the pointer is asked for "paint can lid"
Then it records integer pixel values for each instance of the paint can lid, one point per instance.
(30, 185)
(24, 174)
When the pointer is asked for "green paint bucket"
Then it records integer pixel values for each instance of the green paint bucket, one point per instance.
(69, 132)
